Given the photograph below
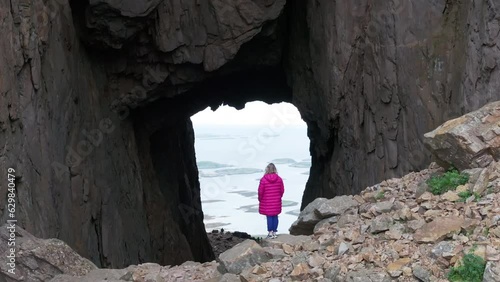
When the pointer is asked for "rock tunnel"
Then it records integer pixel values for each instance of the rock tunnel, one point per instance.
(166, 128)
(97, 96)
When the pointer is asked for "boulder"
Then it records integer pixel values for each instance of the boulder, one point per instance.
(39, 259)
(300, 272)
(450, 196)
(382, 207)
(322, 226)
(343, 248)
(251, 274)
(143, 272)
(421, 273)
(482, 181)
(241, 256)
(189, 271)
(438, 229)
(316, 260)
(311, 245)
(304, 225)
(381, 223)
(415, 224)
(470, 141)
(109, 275)
(368, 275)
(446, 249)
(332, 272)
(275, 253)
(473, 173)
(319, 210)
(335, 206)
(495, 231)
(395, 268)
(492, 272)
(286, 239)
(228, 277)
(396, 231)
(347, 219)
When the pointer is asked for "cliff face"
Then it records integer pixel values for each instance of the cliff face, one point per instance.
(96, 97)
(371, 77)
(93, 121)
(76, 161)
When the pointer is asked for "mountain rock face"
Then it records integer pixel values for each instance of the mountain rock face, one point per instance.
(96, 95)
(470, 141)
(371, 77)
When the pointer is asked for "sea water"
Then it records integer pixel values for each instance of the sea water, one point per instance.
(231, 160)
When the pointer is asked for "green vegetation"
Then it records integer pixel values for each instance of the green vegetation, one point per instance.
(466, 194)
(448, 181)
(470, 270)
(380, 195)
(486, 231)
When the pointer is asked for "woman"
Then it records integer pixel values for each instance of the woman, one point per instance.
(271, 191)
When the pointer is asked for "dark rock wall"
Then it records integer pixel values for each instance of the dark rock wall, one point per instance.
(120, 185)
(178, 179)
(371, 77)
(175, 199)
(80, 176)
(96, 99)
(75, 159)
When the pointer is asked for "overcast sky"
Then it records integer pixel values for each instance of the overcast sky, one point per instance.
(254, 113)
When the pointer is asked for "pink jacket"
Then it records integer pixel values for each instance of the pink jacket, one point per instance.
(271, 190)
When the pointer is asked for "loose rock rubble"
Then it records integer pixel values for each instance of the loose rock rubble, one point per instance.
(386, 233)
(188, 271)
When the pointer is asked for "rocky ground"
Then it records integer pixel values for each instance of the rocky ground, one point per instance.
(392, 231)
(396, 230)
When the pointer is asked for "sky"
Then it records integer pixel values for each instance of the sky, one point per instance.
(254, 113)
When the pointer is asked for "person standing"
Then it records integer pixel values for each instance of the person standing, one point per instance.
(271, 189)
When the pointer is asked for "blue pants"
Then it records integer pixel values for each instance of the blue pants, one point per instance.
(272, 223)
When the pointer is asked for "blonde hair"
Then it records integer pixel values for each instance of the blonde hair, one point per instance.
(271, 168)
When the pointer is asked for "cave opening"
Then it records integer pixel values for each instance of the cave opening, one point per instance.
(232, 149)
(171, 175)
